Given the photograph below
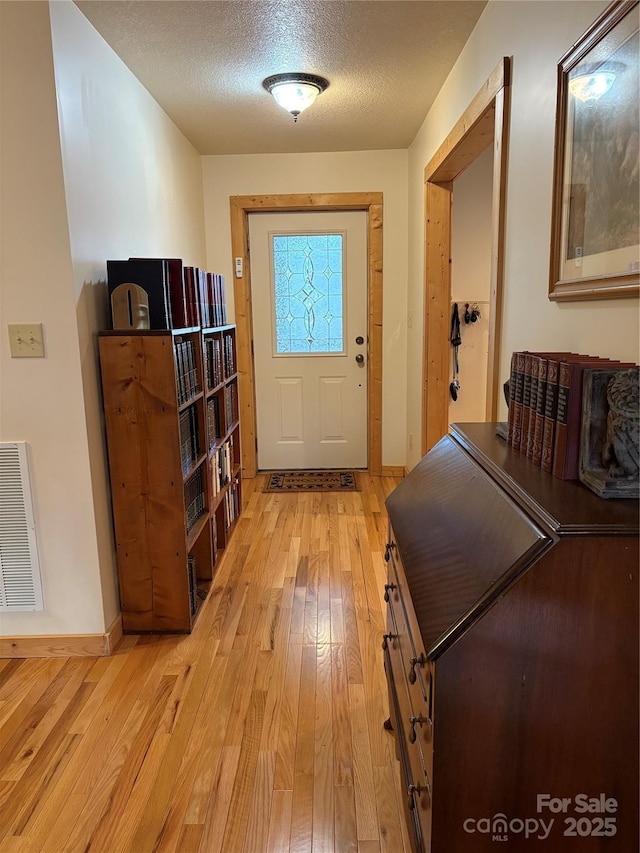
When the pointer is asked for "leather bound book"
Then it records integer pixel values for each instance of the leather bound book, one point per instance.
(517, 400)
(513, 378)
(192, 287)
(550, 412)
(533, 402)
(526, 401)
(550, 405)
(538, 417)
(152, 275)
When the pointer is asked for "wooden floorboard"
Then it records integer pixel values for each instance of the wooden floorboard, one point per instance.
(260, 732)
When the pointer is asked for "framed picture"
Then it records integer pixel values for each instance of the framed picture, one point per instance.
(595, 225)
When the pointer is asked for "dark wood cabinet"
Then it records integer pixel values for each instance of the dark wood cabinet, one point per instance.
(511, 654)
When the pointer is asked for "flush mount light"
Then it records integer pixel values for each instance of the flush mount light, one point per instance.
(295, 91)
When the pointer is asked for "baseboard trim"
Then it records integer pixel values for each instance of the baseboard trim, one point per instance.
(63, 646)
(393, 470)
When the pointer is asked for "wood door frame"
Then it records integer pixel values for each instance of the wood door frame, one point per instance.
(484, 122)
(241, 206)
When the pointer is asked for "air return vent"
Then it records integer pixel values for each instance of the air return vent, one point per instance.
(20, 584)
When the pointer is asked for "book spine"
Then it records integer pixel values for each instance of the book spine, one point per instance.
(223, 300)
(512, 389)
(533, 402)
(550, 415)
(517, 400)
(538, 429)
(526, 402)
(566, 378)
(178, 296)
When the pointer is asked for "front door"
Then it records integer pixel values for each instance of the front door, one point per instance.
(309, 305)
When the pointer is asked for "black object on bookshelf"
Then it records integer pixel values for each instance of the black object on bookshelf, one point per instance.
(152, 275)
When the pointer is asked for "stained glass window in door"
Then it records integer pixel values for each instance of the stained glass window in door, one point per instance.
(308, 293)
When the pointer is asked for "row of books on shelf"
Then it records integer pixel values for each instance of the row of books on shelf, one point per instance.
(214, 424)
(189, 438)
(197, 594)
(193, 585)
(186, 369)
(232, 504)
(229, 356)
(213, 362)
(222, 463)
(219, 359)
(179, 296)
(545, 407)
(195, 502)
(231, 404)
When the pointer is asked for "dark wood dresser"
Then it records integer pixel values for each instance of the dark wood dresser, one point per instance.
(511, 654)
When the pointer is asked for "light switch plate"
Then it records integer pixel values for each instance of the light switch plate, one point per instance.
(26, 340)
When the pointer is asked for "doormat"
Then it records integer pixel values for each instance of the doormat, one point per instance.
(312, 481)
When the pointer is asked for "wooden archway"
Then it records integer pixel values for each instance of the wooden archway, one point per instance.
(483, 123)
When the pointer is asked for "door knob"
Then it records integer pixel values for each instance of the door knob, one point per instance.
(360, 340)
(360, 358)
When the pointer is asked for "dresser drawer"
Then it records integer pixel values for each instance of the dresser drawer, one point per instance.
(416, 790)
(417, 670)
(412, 713)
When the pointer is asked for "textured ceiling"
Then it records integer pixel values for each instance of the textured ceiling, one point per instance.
(204, 63)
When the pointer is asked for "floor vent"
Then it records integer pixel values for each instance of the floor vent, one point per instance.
(20, 583)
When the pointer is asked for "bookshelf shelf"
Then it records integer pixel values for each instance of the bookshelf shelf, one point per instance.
(176, 486)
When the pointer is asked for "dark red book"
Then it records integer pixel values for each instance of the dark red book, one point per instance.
(536, 422)
(192, 288)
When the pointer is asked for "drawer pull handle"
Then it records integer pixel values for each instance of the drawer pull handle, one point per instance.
(411, 791)
(385, 640)
(412, 667)
(412, 726)
(387, 550)
(387, 587)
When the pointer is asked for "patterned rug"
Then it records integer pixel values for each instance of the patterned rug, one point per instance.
(312, 481)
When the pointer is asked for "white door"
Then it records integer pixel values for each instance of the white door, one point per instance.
(309, 304)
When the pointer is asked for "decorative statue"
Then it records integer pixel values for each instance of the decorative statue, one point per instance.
(610, 434)
(620, 453)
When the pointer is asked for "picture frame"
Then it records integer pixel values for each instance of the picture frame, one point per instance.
(595, 221)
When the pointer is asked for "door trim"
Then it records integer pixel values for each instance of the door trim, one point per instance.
(485, 122)
(240, 207)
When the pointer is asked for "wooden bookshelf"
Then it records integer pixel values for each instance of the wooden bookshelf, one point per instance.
(172, 508)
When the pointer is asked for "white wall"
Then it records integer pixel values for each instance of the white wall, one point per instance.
(355, 171)
(471, 283)
(105, 175)
(536, 35)
(41, 399)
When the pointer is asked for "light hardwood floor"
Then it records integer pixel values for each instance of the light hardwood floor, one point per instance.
(260, 731)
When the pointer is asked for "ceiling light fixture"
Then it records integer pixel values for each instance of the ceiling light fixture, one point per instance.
(295, 91)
